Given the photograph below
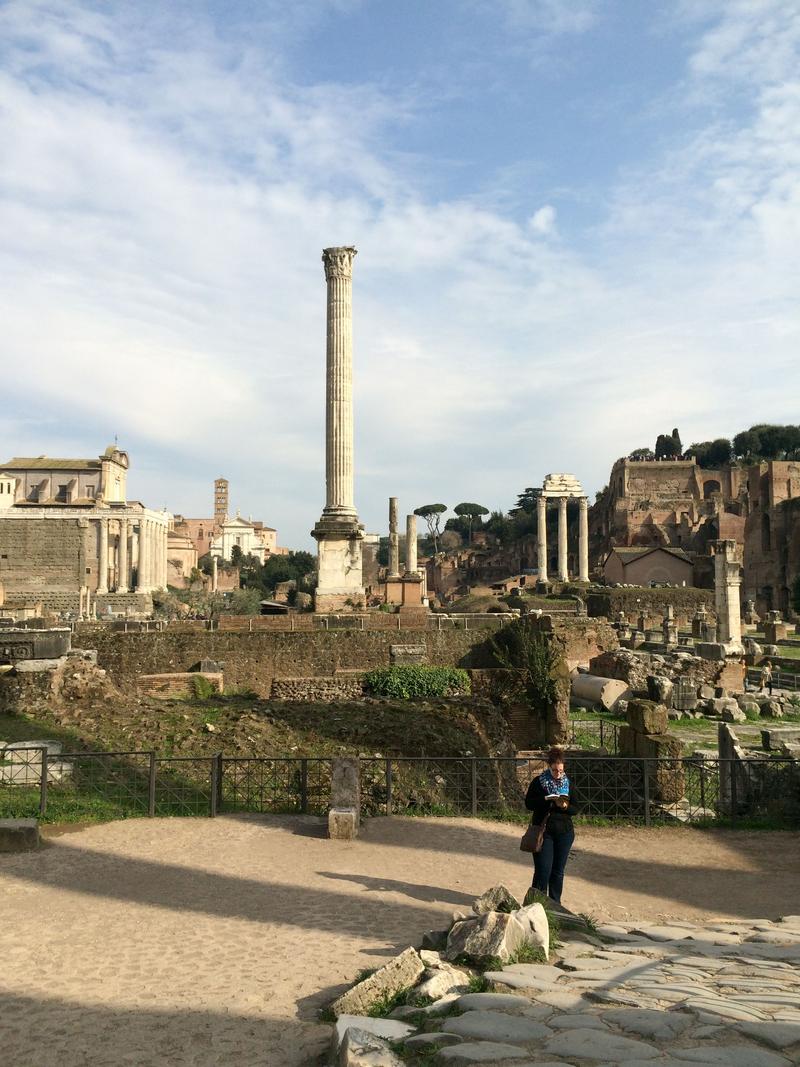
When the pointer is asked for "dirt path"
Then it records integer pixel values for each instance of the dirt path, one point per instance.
(188, 941)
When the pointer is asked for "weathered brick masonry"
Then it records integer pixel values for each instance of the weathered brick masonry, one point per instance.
(253, 660)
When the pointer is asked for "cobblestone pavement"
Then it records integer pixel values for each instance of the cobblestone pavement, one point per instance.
(664, 994)
(202, 942)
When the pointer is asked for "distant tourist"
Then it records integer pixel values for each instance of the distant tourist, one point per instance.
(766, 677)
(549, 799)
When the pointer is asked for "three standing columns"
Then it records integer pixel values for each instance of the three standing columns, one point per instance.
(583, 539)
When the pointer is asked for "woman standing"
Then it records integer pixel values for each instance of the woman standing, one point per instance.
(549, 799)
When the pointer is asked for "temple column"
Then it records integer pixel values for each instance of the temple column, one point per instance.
(339, 389)
(727, 590)
(123, 581)
(143, 563)
(102, 566)
(583, 540)
(340, 583)
(214, 574)
(563, 574)
(541, 537)
(394, 541)
(411, 544)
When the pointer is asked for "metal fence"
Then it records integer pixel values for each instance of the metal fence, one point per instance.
(594, 733)
(106, 785)
(781, 679)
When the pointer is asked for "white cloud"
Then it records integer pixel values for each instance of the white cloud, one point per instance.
(164, 199)
(543, 220)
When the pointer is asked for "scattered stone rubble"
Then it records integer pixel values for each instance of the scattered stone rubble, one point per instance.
(646, 995)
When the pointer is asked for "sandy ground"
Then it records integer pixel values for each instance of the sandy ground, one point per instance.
(202, 942)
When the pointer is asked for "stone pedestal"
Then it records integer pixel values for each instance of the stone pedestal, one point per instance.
(727, 583)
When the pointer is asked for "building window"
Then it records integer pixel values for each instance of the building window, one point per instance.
(62, 493)
(90, 492)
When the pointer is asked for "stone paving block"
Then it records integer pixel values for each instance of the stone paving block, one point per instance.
(597, 1045)
(19, 835)
(483, 1052)
(423, 1042)
(776, 1035)
(576, 1022)
(498, 1026)
(505, 1002)
(733, 1056)
(511, 980)
(646, 1022)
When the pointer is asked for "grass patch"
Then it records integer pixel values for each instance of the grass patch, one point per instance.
(478, 984)
(385, 1005)
(528, 953)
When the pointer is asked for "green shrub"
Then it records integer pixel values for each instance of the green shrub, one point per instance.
(408, 683)
(752, 712)
(203, 689)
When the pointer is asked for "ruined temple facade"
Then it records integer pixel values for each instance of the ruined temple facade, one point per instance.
(72, 541)
(677, 504)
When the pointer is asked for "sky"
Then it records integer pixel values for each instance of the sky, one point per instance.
(577, 222)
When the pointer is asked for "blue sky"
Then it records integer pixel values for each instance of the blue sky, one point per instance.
(578, 225)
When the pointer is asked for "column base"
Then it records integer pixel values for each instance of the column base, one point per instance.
(340, 583)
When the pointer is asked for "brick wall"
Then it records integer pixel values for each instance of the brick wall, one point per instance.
(319, 690)
(41, 559)
(173, 685)
(254, 660)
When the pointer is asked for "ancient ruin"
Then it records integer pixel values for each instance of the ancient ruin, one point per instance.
(563, 487)
(338, 533)
(71, 541)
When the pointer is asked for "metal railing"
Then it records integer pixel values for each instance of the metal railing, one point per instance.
(593, 733)
(781, 679)
(107, 785)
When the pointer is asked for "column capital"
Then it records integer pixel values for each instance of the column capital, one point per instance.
(339, 261)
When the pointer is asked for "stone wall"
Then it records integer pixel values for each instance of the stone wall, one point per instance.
(253, 660)
(685, 601)
(319, 690)
(44, 560)
(176, 685)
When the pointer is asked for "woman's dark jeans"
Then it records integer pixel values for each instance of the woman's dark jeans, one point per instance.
(549, 864)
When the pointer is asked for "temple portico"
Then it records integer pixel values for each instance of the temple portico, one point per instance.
(563, 488)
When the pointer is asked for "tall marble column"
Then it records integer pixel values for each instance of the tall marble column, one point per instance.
(541, 537)
(214, 574)
(583, 540)
(340, 584)
(102, 565)
(411, 544)
(122, 557)
(339, 390)
(143, 563)
(563, 573)
(394, 540)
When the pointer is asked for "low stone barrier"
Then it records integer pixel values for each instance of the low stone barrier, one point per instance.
(19, 835)
(176, 685)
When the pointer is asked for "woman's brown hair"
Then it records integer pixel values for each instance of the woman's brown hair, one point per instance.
(555, 755)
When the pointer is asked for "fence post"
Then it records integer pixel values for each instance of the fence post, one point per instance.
(734, 790)
(388, 787)
(212, 800)
(602, 724)
(646, 792)
(151, 785)
(474, 783)
(303, 786)
(703, 786)
(43, 784)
